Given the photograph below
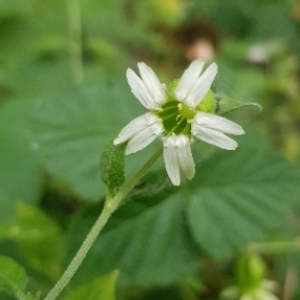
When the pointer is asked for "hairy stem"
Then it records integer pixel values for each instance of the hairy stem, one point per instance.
(111, 204)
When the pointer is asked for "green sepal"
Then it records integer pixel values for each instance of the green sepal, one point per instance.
(247, 109)
(208, 103)
(250, 272)
(171, 89)
(112, 165)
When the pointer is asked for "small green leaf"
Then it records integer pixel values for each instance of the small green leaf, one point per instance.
(40, 239)
(13, 278)
(247, 109)
(102, 288)
(112, 165)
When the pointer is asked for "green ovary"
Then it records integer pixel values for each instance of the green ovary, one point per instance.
(175, 117)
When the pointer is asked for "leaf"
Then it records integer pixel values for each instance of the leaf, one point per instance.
(274, 20)
(102, 288)
(13, 278)
(40, 239)
(112, 165)
(238, 197)
(147, 239)
(72, 130)
(247, 109)
(15, 6)
(18, 160)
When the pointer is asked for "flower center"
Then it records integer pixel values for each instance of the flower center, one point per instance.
(175, 117)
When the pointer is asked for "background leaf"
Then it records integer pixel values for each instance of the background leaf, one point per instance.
(238, 197)
(72, 130)
(17, 159)
(147, 240)
(13, 278)
(102, 288)
(40, 239)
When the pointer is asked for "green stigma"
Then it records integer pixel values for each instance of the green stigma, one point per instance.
(176, 116)
(186, 111)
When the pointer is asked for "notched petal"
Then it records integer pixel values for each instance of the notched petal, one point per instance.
(188, 79)
(185, 156)
(202, 85)
(139, 89)
(171, 161)
(214, 137)
(152, 83)
(135, 126)
(218, 123)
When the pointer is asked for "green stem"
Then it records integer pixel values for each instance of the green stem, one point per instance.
(275, 247)
(75, 41)
(111, 204)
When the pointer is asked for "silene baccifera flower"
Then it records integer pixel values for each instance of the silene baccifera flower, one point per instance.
(177, 113)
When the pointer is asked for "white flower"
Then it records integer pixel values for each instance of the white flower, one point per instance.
(265, 291)
(177, 115)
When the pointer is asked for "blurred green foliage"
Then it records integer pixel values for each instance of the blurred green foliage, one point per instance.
(168, 243)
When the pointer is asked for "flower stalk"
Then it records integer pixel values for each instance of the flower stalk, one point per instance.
(111, 205)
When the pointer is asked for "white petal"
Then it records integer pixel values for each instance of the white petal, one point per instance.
(185, 157)
(218, 123)
(202, 85)
(247, 297)
(135, 126)
(143, 138)
(265, 295)
(214, 137)
(140, 91)
(188, 79)
(155, 88)
(171, 161)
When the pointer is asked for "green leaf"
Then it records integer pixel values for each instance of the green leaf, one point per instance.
(147, 239)
(72, 130)
(17, 159)
(248, 109)
(238, 196)
(274, 20)
(40, 239)
(15, 6)
(112, 165)
(102, 288)
(13, 278)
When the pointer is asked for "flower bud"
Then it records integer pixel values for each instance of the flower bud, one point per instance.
(250, 272)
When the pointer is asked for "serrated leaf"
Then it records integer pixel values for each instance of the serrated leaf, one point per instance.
(72, 130)
(102, 288)
(17, 159)
(40, 239)
(238, 196)
(112, 165)
(13, 278)
(147, 240)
